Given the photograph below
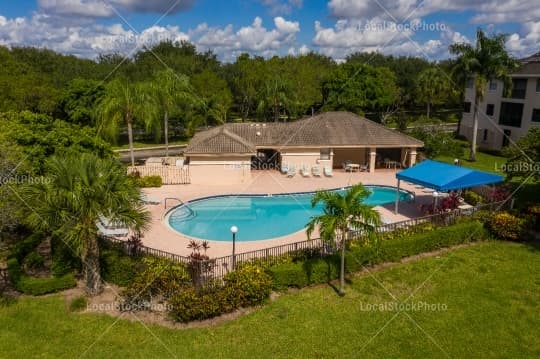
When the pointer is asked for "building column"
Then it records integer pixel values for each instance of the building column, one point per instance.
(412, 157)
(372, 159)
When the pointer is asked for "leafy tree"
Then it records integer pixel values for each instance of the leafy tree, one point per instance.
(274, 97)
(80, 189)
(524, 156)
(432, 87)
(438, 143)
(171, 91)
(358, 87)
(79, 100)
(123, 102)
(485, 61)
(40, 136)
(341, 214)
(213, 95)
(246, 81)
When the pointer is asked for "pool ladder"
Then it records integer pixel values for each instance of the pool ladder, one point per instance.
(188, 211)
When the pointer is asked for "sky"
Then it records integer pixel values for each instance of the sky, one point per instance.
(337, 28)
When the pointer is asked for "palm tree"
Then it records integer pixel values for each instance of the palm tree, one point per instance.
(171, 90)
(274, 98)
(125, 101)
(432, 85)
(341, 213)
(487, 60)
(80, 189)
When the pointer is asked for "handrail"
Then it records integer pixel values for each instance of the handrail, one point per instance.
(173, 198)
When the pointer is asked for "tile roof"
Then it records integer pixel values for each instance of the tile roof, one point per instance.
(529, 65)
(329, 129)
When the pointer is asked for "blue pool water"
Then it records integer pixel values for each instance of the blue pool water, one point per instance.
(257, 217)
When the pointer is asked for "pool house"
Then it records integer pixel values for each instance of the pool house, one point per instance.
(232, 152)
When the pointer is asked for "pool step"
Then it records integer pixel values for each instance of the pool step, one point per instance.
(182, 213)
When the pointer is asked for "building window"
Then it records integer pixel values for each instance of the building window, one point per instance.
(537, 85)
(467, 107)
(325, 153)
(536, 115)
(470, 82)
(519, 88)
(485, 135)
(490, 109)
(511, 114)
(492, 85)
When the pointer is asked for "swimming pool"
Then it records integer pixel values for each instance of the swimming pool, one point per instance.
(257, 217)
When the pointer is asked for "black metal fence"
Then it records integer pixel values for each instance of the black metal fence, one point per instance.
(216, 268)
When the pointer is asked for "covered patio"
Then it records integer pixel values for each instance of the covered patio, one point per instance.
(443, 177)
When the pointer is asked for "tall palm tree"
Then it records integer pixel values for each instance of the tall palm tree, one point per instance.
(123, 102)
(171, 90)
(487, 60)
(80, 189)
(432, 85)
(341, 213)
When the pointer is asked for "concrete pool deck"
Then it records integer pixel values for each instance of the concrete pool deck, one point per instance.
(161, 236)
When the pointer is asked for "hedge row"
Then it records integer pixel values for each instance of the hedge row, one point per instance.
(321, 270)
(30, 285)
(40, 286)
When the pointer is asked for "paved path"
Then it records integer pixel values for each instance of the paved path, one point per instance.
(161, 236)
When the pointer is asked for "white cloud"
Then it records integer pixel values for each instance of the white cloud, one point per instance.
(486, 11)
(377, 35)
(280, 7)
(108, 8)
(528, 42)
(86, 41)
(254, 38)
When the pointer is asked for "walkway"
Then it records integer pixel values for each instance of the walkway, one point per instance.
(160, 236)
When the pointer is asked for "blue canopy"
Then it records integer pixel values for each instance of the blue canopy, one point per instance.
(445, 177)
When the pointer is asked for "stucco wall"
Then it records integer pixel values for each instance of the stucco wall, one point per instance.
(218, 171)
(302, 158)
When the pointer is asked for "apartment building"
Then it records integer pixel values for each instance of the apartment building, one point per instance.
(502, 120)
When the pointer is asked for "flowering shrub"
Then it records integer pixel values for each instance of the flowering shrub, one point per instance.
(500, 193)
(247, 286)
(506, 226)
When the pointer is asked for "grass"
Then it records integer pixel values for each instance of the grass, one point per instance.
(487, 296)
(149, 144)
(484, 162)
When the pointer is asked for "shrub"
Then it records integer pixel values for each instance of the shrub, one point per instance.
(472, 198)
(78, 304)
(250, 285)
(40, 286)
(26, 246)
(64, 261)
(118, 268)
(14, 270)
(149, 181)
(244, 287)
(156, 277)
(34, 260)
(395, 247)
(190, 304)
(506, 226)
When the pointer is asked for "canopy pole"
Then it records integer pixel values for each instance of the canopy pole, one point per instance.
(397, 197)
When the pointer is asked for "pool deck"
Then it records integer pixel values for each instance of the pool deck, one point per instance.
(161, 236)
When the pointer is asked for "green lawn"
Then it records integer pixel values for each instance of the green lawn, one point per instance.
(488, 297)
(484, 162)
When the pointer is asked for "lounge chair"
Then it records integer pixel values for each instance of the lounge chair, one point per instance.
(291, 172)
(304, 172)
(328, 171)
(149, 200)
(284, 169)
(364, 168)
(315, 170)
